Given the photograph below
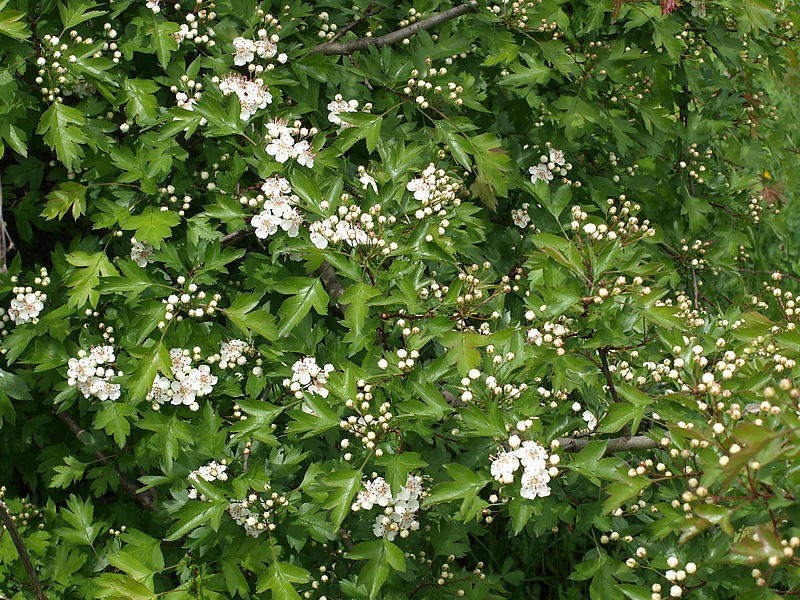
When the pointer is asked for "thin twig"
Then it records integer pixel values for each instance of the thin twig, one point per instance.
(6, 242)
(620, 444)
(11, 526)
(367, 14)
(361, 44)
(603, 352)
(128, 485)
(346, 539)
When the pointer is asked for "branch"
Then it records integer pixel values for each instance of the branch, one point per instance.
(232, 238)
(361, 44)
(128, 485)
(8, 521)
(620, 444)
(332, 283)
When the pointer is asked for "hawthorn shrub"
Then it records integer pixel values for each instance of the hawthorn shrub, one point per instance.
(362, 300)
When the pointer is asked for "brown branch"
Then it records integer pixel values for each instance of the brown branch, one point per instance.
(332, 283)
(11, 526)
(129, 486)
(361, 44)
(235, 236)
(451, 398)
(603, 353)
(346, 539)
(620, 444)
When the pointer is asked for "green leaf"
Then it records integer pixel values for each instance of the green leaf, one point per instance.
(113, 418)
(11, 23)
(149, 360)
(357, 298)
(153, 225)
(140, 103)
(61, 127)
(67, 196)
(83, 281)
(164, 42)
(70, 472)
(241, 313)
(74, 13)
(279, 580)
(191, 516)
(294, 309)
(620, 414)
(465, 486)
(14, 385)
(79, 516)
(344, 487)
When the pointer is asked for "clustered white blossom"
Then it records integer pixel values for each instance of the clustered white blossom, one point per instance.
(26, 305)
(533, 458)
(553, 335)
(193, 300)
(399, 511)
(278, 210)
(282, 145)
(353, 226)
(253, 94)
(254, 513)
(141, 252)
(621, 222)
(549, 165)
(92, 373)
(339, 106)
(266, 46)
(189, 383)
(308, 376)
(213, 471)
(233, 353)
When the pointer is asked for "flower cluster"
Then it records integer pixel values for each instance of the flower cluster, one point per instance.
(254, 513)
(213, 471)
(232, 353)
(282, 145)
(189, 383)
(308, 376)
(253, 94)
(422, 86)
(193, 300)
(399, 511)
(339, 106)
(246, 49)
(549, 165)
(367, 425)
(621, 223)
(435, 188)
(189, 30)
(26, 306)
(554, 334)
(141, 252)
(278, 210)
(92, 373)
(533, 457)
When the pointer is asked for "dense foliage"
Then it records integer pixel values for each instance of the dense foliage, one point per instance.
(373, 300)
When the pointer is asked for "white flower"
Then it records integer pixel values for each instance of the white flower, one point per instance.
(245, 50)
(141, 252)
(503, 467)
(591, 420)
(303, 154)
(532, 456)
(281, 148)
(25, 307)
(339, 106)
(534, 484)
(422, 190)
(520, 218)
(154, 5)
(535, 336)
(557, 157)
(368, 180)
(540, 172)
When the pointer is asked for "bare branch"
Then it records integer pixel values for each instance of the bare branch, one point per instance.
(451, 398)
(11, 526)
(128, 485)
(620, 444)
(361, 44)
